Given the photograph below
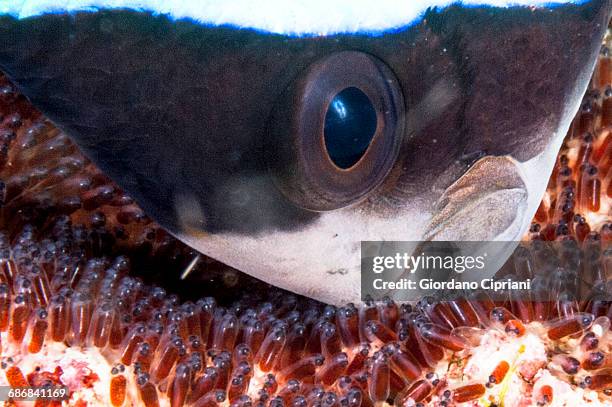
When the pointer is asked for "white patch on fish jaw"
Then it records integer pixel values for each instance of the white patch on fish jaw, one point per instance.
(297, 17)
(321, 261)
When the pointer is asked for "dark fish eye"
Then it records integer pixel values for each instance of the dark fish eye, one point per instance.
(350, 124)
(340, 125)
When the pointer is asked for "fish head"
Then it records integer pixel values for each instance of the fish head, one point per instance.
(276, 137)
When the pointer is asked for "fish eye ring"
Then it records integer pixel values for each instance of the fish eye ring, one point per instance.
(327, 112)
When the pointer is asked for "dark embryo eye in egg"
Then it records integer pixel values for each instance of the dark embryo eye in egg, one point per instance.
(166, 174)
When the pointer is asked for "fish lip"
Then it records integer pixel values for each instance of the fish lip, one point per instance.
(489, 202)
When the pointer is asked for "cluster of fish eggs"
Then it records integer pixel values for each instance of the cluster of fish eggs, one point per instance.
(73, 246)
(272, 349)
(578, 198)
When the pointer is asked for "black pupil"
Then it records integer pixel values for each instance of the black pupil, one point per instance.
(350, 124)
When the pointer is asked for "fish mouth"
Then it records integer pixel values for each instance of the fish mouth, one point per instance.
(488, 202)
